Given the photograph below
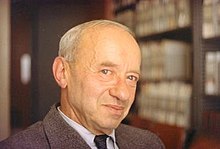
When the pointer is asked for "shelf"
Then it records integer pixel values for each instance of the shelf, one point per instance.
(145, 81)
(184, 34)
(212, 102)
(211, 47)
(125, 8)
(212, 41)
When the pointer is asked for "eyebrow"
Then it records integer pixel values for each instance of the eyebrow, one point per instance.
(111, 64)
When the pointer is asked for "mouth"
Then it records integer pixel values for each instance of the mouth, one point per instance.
(115, 109)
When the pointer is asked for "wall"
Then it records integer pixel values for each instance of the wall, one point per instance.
(37, 27)
(20, 45)
(51, 21)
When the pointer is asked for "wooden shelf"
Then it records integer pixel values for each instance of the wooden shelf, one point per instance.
(212, 43)
(184, 34)
(211, 102)
(144, 81)
(212, 40)
(131, 6)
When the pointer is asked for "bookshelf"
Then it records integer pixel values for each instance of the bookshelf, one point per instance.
(188, 25)
(211, 47)
(183, 34)
(125, 13)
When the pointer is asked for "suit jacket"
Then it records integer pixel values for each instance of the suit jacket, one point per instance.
(54, 132)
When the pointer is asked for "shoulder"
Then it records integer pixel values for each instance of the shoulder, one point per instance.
(135, 132)
(137, 137)
(32, 137)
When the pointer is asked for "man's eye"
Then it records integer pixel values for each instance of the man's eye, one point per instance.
(105, 71)
(133, 78)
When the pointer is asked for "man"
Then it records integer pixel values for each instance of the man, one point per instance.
(97, 69)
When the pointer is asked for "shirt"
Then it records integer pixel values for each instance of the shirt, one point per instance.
(87, 135)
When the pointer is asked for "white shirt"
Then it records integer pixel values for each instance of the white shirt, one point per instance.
(87, 135)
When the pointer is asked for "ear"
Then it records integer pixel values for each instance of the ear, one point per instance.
(59, 72)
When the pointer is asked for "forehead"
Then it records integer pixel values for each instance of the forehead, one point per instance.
(109, 43)
(110, 36)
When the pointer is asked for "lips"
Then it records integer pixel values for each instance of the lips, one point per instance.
(115, 109)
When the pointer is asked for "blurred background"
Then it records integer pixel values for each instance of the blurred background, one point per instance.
(31, 30)
(178, 96)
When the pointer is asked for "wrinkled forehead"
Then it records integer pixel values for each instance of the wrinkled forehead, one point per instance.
(92, 35)
(110, 39)
(116, 26)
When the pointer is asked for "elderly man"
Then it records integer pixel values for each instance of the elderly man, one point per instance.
(97, 69)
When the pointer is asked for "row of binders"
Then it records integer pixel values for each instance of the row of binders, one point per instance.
(165, 92)
(166, 102)
(211, 18)
(166, 59)
(155, 16)
(212, 73)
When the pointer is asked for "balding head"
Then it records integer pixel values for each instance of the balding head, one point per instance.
(70, 42)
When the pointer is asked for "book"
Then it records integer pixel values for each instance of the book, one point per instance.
(212, 71)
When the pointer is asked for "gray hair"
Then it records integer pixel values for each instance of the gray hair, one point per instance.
(69, 43)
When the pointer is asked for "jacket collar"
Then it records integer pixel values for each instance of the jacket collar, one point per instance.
(59, 133)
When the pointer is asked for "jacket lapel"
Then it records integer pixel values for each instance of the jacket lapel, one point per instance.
(60, 134)
(121, 138)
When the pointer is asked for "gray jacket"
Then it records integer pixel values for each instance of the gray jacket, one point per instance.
(54, 132)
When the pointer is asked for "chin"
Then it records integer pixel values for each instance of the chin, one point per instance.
(112, 124)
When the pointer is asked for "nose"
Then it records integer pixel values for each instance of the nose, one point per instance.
(120, 90)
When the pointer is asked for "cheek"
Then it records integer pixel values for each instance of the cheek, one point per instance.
(96, 86)
(132, 98)
(91, 87)
(92, 90)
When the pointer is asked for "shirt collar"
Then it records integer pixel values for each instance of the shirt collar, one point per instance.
(84, 133)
